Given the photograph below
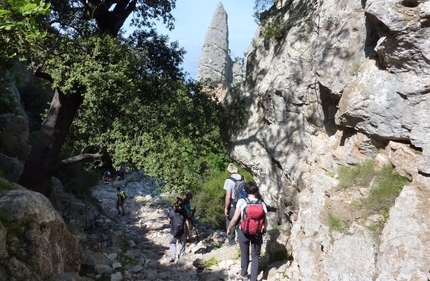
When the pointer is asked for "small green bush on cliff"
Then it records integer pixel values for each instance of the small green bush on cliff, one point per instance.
(360, 175)
(384, 191)
(386, 185)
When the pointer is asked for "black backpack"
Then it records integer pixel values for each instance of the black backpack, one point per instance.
(239, 190)
(178, 227)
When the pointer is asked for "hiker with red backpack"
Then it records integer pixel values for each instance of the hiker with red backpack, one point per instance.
(253, 224)
(231, 186)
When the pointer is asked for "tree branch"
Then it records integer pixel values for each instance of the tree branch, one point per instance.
(78, 158)
(38, 73)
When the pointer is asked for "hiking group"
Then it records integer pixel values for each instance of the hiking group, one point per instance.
(107, 175)
(245, 216)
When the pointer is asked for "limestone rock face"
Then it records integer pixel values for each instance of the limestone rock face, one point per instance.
(37, 243)
(215, 65)
(392, 92)
(346, 81)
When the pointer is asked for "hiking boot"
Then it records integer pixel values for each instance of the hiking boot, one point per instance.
(241, 277)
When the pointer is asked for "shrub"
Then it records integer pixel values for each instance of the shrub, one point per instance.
(273, 30)
(210, 199)
(386, 186)
(359, 175)
(211, 262)
(335, 224)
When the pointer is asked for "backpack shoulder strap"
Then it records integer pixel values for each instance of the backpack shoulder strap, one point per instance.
(247, 200)
(233, 179)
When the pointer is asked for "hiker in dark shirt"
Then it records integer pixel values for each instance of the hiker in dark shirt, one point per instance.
(120, 201)
(187, 208)
(106, 176)
(177, 214)
(121, 173)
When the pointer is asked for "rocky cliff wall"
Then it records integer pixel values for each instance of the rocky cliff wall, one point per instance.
(340, 82)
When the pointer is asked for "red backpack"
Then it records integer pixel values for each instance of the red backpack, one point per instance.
(253, 217)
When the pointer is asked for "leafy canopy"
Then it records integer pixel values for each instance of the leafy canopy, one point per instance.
(138, 105)
(136, 102)
(19, 29)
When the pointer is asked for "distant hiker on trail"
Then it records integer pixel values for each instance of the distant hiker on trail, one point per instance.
(253, 224)
(121, 196)
(121, 173)
(187, 207)
(179, 229)
(231, 199)
(106, 176)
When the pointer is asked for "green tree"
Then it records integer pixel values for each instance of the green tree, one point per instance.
(126, 97)
(75, 61)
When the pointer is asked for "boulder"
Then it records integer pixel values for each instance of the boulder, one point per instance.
(37, 239)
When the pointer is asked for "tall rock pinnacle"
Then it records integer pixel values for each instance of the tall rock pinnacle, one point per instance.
(215, 65)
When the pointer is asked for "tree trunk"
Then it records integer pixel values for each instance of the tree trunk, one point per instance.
(43, 157)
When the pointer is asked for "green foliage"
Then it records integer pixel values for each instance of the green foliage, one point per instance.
(77, 179)
(136, 102)
(335, 224)
(384, 191)
(19, 28)
(209, 199)
(211, 262)
(151, 122)
(273, 29)
(360, 175)
(355, 67)
(377, 226)
(386, 187)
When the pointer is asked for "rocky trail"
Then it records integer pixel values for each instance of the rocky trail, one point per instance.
(135, 246)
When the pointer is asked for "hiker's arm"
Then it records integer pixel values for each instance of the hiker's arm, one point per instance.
(227, 203)
(233, 220)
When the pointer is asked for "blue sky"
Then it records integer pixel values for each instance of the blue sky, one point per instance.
(193, 19)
